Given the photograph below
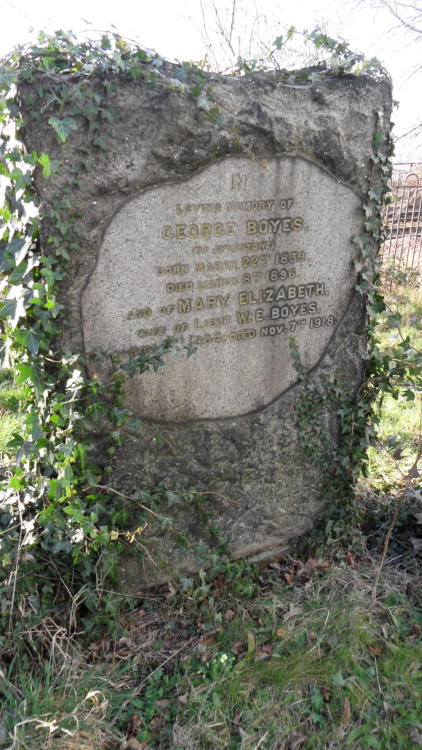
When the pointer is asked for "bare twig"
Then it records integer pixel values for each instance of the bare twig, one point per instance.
(16, 568)
(407, 23)
(107, 488)
(223, 497)
(222, 31)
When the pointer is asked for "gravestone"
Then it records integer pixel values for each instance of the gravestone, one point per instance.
(230, 249)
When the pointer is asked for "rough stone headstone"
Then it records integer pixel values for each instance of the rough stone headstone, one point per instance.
(227, 247)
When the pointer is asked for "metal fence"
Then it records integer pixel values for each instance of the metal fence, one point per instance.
(403, 215)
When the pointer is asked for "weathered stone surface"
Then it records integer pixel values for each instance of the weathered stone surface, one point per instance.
(232, 262)
(222, 421)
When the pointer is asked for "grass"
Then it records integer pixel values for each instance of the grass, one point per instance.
(309, 653)
(11, 398)
(311, 664)
(338, 672)
(400, 426)
(57, 705)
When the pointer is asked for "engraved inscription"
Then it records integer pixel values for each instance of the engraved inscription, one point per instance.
(232, 276)
(239, 181)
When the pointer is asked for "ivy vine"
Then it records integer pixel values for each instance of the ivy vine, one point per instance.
(325, 405)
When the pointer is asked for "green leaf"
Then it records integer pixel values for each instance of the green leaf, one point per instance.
(27, 372)
(63, 128)
(409, 395)
(15, 483)
(22, 179)
(44, 161)
(338, 680)
(101, 141)
(32, 343)
(14, 310)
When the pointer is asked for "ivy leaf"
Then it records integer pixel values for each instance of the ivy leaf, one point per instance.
(45, 162)
(63, 128)
(338, 680)
(28, 372)
(21, 179)
(101, 141)
(18, 247)
(172, 497)
(32, 343)
(14, 307)
(376, 192)
(7, 77)
(202, 102)
(409, 395)
(25, 371)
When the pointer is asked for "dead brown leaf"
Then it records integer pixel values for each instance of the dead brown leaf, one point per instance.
(172, 591)
(275, 566)
(350, 559)
(133, 744)
(163, 703)
(416, 630)
(208, 640)
(280, 632)
(229, 614)
(296, 742)
(157, 722)
(375, 649)
(416, 736)
(388, 709)
(133, 724)
(302, 572)
(293, 612)
(219, 585)
(264, 653)
(346, 713)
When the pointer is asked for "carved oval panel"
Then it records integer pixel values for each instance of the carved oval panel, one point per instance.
(230, 264)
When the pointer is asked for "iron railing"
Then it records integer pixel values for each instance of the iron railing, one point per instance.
(403, 216)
